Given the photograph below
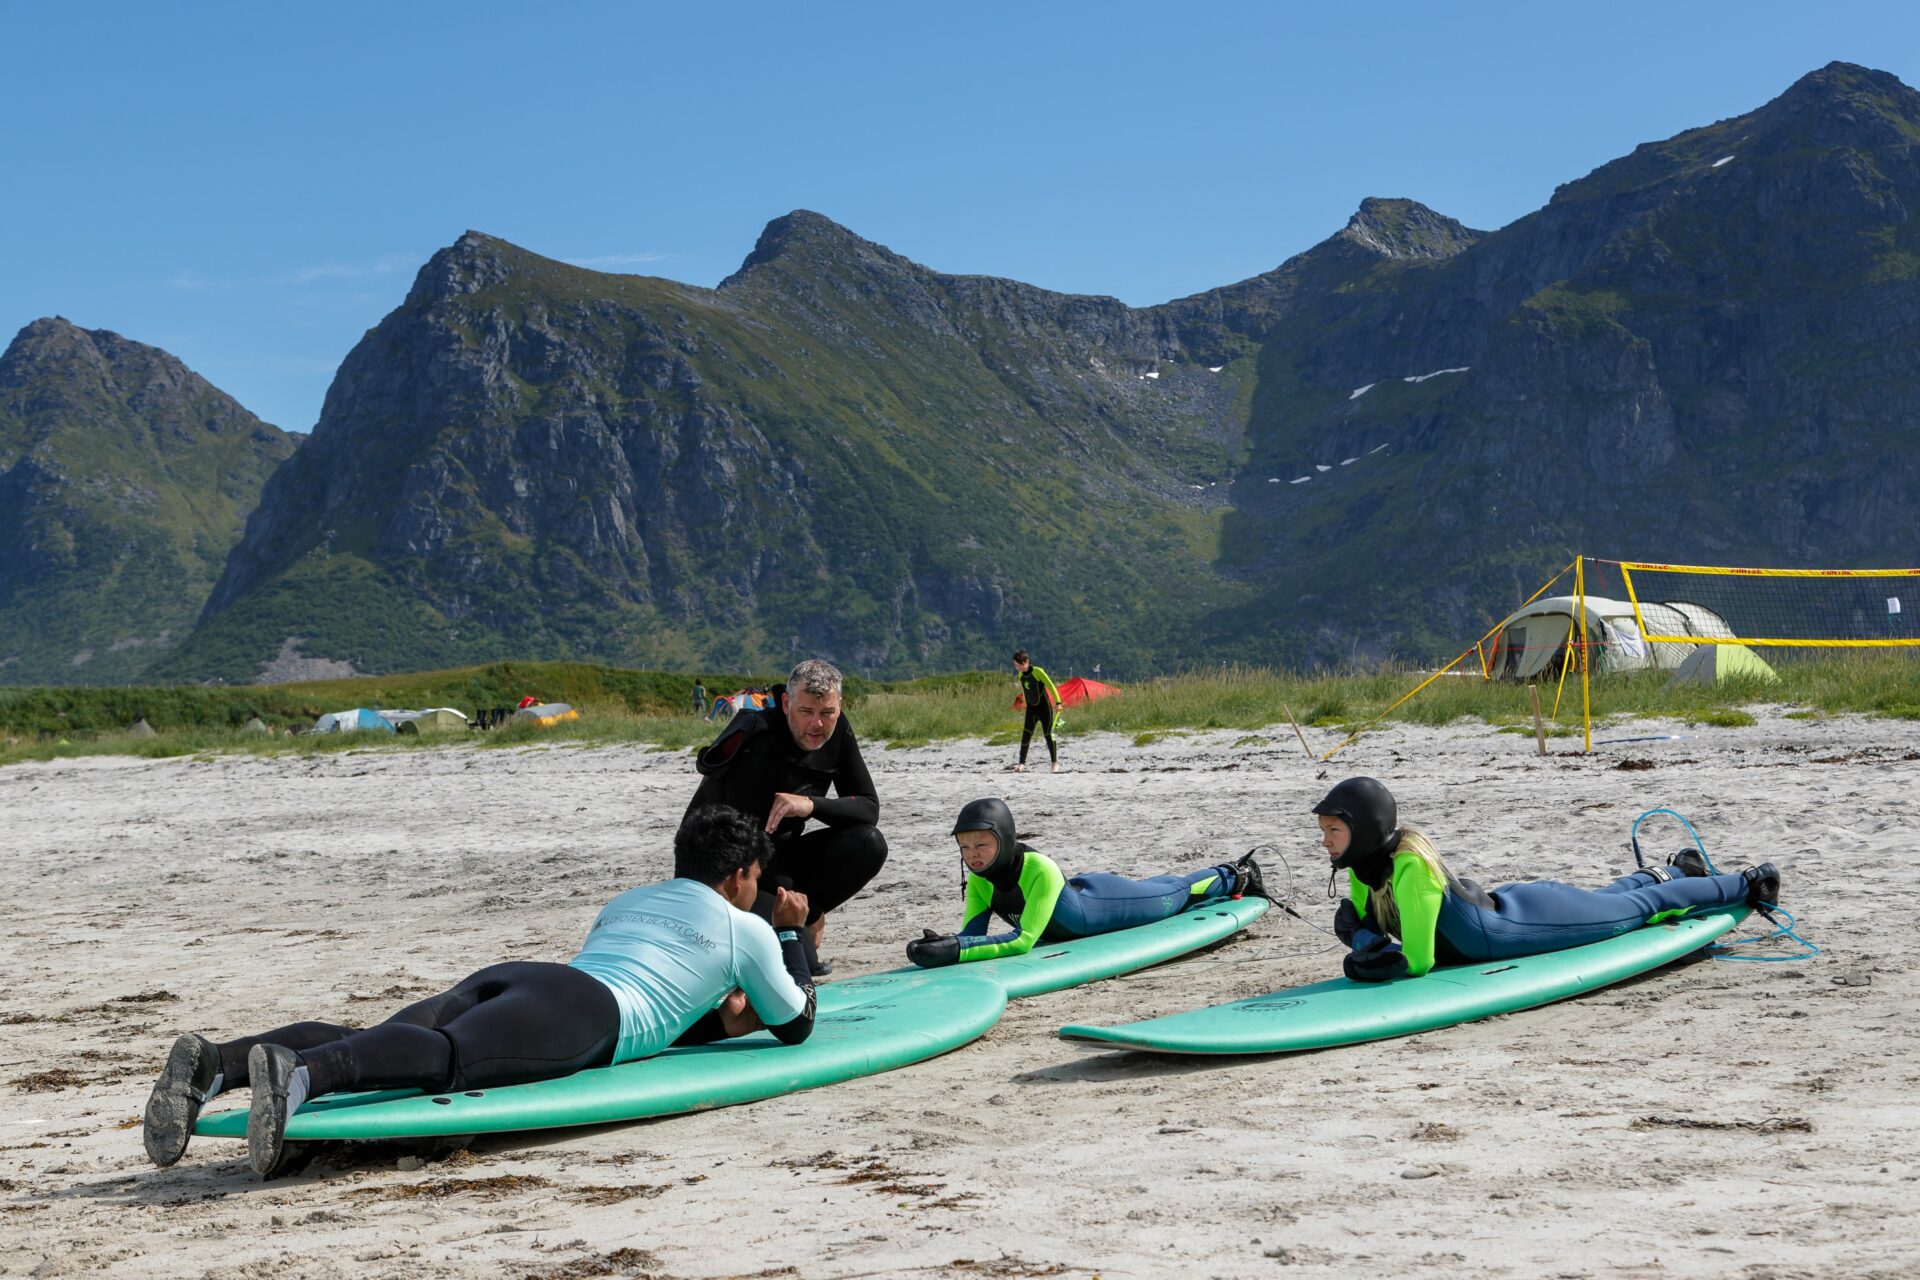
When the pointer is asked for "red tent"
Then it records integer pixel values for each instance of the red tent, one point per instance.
(1080, 689)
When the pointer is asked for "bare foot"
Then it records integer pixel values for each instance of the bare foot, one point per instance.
(1019, 768)
(1056, 766)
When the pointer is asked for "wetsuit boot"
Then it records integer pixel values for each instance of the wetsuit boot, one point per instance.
(1763, 885)
(1689, 862)
(189, 1080)
(1248, 882)
(280, 1084)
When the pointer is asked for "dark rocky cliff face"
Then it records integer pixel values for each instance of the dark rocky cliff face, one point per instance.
(1698, 351)
(124, 477)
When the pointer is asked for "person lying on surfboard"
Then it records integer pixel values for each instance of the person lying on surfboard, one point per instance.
(1399, 888)
(1025, 888)
(681, 962)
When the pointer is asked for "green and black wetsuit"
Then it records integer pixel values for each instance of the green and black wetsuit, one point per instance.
(1041, 696)
(1025, 888)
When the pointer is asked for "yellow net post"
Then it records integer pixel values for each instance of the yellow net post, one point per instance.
(1586, 700)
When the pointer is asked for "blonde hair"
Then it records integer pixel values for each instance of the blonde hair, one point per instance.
(1414, 843)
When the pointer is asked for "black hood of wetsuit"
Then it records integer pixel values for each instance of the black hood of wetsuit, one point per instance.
(992, 814)
(1367, 807)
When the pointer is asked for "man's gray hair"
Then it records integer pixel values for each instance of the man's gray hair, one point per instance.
(816, 676)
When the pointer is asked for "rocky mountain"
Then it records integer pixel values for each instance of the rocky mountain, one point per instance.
(1700, 351)
(124, 478)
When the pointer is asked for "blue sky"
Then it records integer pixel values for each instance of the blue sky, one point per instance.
(253, 186)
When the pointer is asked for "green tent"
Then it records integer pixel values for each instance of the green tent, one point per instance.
(1712, 663)
(436, 720)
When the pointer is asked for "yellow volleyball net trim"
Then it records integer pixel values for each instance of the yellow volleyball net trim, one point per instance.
(1810, 608)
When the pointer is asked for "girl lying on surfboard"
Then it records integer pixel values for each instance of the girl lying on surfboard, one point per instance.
(1399, 888)
(680, 962)
(1025, 888)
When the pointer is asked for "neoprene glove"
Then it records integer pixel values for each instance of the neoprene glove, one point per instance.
(1380, 961)
(1345, 921)
(934, 950)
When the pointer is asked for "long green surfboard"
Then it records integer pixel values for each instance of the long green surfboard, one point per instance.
(895, 1026)
(863, 1026)
(1059, 965)
(1326, 1014)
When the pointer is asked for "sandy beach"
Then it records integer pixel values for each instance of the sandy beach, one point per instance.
(1711, 1118)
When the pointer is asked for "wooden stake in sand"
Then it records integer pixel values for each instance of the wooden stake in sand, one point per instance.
(1539, 729)
(1296, 730)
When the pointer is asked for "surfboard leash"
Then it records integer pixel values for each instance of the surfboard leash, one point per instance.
(1773, 914)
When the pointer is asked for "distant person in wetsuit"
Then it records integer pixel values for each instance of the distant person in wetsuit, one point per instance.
(777, 764)
(1406, 911)
(1043, 699)
(1025, 889)
(699, 697)
(680, 962)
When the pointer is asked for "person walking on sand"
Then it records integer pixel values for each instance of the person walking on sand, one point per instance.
(679, 962)
(1038, 691)
(1406, 911)
(1025, 888)
(777, 763)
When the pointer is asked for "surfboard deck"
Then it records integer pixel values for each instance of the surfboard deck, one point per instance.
(1326, 1014)
(1056, 966)
(898, 1024)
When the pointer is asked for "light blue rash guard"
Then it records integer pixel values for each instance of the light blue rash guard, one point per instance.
(671, 952)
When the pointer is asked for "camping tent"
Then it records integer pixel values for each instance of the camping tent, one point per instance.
(1080, 689)
(742, 700)
(1531, 640)
(545, 714)
(348, 721)
(432, 720)
(1712, 663)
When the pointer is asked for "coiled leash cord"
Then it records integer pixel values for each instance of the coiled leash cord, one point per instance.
(1782, 919)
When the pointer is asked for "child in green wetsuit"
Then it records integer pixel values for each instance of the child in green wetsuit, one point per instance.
(1406, 911)
(1026, 889)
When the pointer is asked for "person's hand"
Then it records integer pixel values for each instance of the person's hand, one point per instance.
(1379, 961)
(789, 909)
(737, 1016)
(1346, 921)
(788, 805)
(934, 950)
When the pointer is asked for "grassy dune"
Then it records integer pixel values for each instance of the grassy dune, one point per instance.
(648, 707)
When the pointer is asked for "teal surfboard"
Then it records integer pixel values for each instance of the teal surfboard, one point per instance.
(896, 1025)
(1059, 965)
(1339, 1012)
(863, 1026)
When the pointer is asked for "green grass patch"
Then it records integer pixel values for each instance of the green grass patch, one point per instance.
(622, 706)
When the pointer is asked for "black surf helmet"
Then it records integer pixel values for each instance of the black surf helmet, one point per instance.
(1367, 807)
(991, 814)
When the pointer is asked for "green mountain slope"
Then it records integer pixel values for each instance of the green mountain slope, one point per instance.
(1699, 351)
(124, 479)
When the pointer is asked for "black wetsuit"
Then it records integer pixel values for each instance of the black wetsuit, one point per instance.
(754, 757)
(507, 1024)
(1038, 691)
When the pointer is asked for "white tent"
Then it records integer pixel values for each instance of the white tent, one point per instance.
(1532, 639)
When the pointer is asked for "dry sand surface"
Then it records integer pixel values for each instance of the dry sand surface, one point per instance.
(1708, 1119)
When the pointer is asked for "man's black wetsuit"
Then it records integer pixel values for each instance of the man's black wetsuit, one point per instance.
(754, 757)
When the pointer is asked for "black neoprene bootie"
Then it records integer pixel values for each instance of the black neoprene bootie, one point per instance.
(1763, 885)
(191, 1076)
(1247, 880)
(1689, 862)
